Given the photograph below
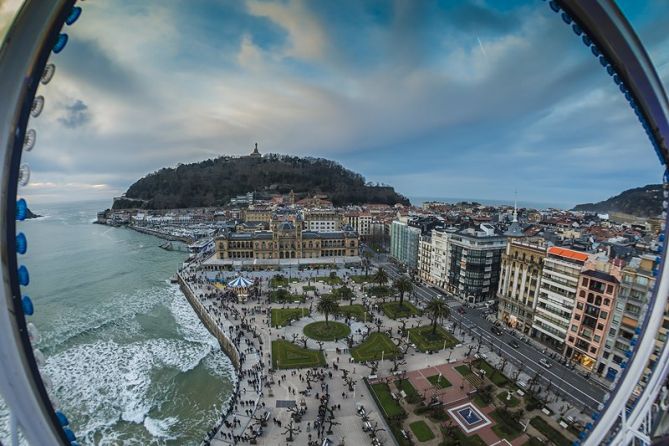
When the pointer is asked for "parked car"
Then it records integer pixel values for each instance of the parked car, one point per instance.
(514, 344)
(544, 362)
(480, 356)
(496, 331)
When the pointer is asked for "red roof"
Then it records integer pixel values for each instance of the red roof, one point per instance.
(568, 253)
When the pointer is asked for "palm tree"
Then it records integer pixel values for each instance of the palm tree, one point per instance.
(366, 261)
(327, 305)
(380, 277)
(403, 285)
(438, 309)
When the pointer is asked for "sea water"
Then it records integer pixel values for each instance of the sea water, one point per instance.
(129, 360)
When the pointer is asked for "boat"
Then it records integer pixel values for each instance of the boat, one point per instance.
(167, 246)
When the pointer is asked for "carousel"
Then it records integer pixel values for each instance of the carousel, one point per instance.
(241, 286)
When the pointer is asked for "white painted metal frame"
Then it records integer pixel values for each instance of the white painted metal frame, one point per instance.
(20, 54)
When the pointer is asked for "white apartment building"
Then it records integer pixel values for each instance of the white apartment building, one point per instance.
(424, 258)
(360, 222)
(439, 261)
(557, 295)
(322, 220)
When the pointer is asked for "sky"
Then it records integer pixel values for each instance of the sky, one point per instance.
(467, 98)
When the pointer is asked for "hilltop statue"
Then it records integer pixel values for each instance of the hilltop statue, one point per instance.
(255, 153)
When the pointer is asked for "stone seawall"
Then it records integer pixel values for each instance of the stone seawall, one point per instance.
(161, 235)
(225, 342)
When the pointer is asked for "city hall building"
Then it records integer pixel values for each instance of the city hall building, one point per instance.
(285, 245)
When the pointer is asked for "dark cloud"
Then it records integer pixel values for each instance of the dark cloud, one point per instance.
(87, 62)
(76, 115)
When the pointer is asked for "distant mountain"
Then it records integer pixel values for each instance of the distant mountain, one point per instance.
(643, 201)
(215, 181)
(30, 214)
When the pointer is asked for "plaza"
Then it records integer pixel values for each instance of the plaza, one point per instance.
(363, 377)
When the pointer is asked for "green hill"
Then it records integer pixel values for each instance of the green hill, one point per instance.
(213, 182)
(643, 201)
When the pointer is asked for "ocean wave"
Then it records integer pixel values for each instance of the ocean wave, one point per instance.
(118, 310)
(192, 329)
(102, 383)
(160, 428)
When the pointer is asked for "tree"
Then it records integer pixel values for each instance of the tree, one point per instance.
(403, 285)
(437, 309)
(380, 277)
(281, 295)
(327, 305)
(345, 293)
(366, 261)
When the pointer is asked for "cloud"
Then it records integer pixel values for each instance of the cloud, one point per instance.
(398, 91)
(76, 115)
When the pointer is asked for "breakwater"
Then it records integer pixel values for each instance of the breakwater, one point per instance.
(160, 234)
(240, 340)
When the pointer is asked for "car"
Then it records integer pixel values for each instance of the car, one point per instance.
(514, 344)
(496, 331)
(480, 356)
(522, 384)
(545, 362)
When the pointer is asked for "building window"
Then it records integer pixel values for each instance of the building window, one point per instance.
(579, 305)
(609, 289)
(603, 314)
(600, 327)
(597, 338)
(607, 302)
(574, 328)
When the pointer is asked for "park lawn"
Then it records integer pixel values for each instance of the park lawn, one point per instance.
(379, 291)
(361, 278)
(412, 395)
(275, 297)
(391, 408)
(330, 331)
(421, 430)
(282, 316)
(491, 373)
(549, 431)
(372, 347)
(463, 370)
(505, 427)
(512, 402)
(286, 355)
(437, 382)
(275, 282)
(458, 438)
(355, 311)
(394, 311)
(426, 341)
(479, 401)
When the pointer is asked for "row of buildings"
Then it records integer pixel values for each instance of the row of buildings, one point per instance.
(584, 305)
(577, 284)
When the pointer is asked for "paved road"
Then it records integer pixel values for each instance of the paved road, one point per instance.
(570, 384)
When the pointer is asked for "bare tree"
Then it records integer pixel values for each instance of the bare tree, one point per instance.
(290, 430)
(398, 362)
(373, 366)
